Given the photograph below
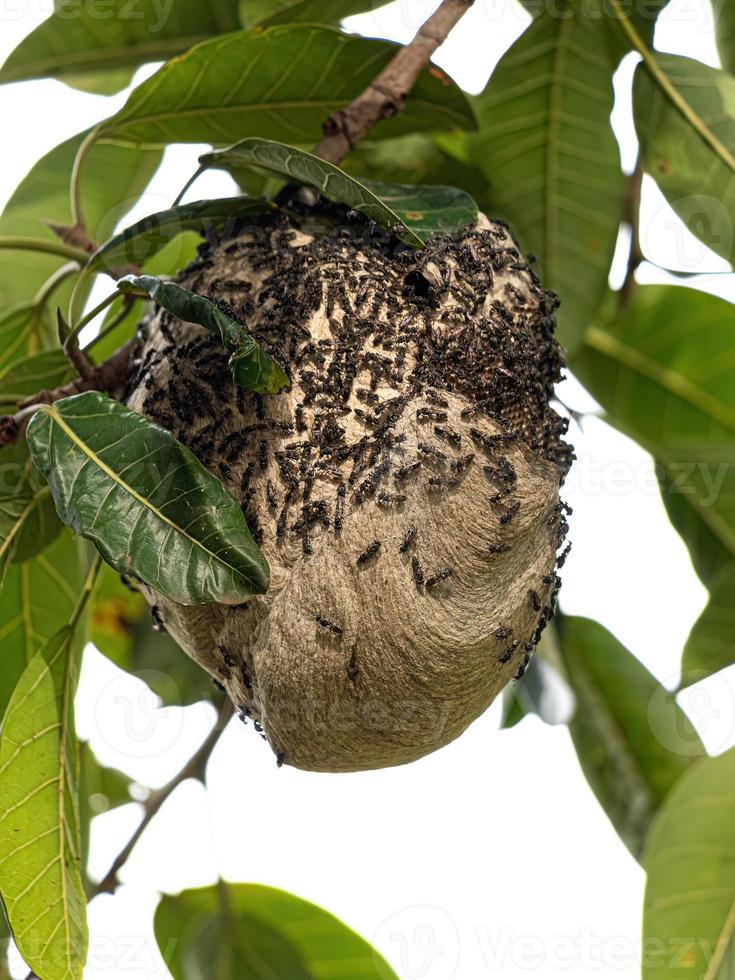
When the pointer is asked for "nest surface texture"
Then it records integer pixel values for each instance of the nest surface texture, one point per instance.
(404, 489)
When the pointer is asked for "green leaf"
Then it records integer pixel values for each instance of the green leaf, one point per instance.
(632, 739)
(252, 368)
(23, 330)
(255, 13)
(711, 643)
(253, 931)
(235, 84)
(36, 600)
(147, 237)
(552, 162)
(151, 508)
(114, 177)
(85, 43)
(40, 845)
(418, 159)
(688, 913)
(695, 174)
(725, 32)
(663, 373)
(29, 375)
(422, 211)
(121, 629)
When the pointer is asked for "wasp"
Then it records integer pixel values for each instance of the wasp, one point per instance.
(409, 539)
(417, 572)
(431, 583)
(328, 625)
(369, 552)
(503, 633)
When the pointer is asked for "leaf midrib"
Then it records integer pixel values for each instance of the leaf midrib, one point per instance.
(93, 457)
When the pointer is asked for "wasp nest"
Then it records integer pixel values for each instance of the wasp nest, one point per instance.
(405, 489)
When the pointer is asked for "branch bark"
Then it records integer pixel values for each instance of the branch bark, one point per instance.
(195, 768)
(108, 376)
(386, 95)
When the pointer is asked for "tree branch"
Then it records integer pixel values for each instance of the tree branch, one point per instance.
(386, 95)
(108, 376)
(195, 768)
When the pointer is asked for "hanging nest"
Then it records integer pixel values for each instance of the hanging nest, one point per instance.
(404, 489)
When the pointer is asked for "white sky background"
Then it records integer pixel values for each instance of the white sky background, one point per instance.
(490, 857)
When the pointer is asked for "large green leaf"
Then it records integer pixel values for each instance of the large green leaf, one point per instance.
(663, 373)
(89, 42)
(632, 739)
(689, 905)
(643, 14)
(36, 600)
(696, 177)
(420, 211)
(32, 374)
(711, 643)
(252, 368)
(551, 160)
(40, 845)
(277, 83)
(725, 32)
(114, 177)
(254, 13)
(253, 932)
(151, 508)
(145, 238)
(121, 628)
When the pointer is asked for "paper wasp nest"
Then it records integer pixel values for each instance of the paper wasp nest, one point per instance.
(405, 489)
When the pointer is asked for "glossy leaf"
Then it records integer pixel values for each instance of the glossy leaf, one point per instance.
(114, 177)
(255, 931)
(688, 922)
(697, 179)
(36, 600)
(632, 739)
(663, 373)
(29, 375)
(147, 237)
(40, 845)
(121, 629)
(711, 643)
(724, 16)
(422, 211)
(252, 368)
(237, 84)
(147, 503)
(255, 13)
(550, 157)
(90, 42)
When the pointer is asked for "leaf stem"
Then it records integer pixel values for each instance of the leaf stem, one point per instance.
(86, 591)
(129, 300)
(77, 210)
(387, 93)
(669, 89)
(188, 185)
(633, 220)
(47, 245)
(195, 768)
(52, 284)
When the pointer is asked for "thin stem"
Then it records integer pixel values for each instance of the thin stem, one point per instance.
(128, 302)
(77, 210)
(52, 284)
(195, 768)
(47, 245)
(187, 186)
(88, 317)
(86, 591)
(633, 220)
(387, 93)
(669, 89)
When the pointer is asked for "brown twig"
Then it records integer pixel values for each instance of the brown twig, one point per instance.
(107, 376)
(386, 95)
(195, 768)
(633, 220)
